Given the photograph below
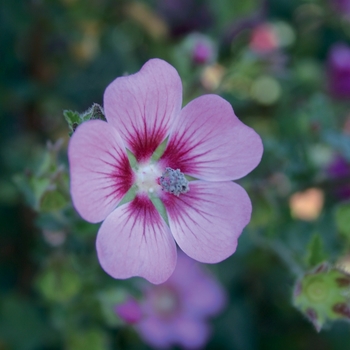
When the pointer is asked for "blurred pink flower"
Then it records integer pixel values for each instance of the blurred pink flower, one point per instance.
(339, 71)
(264, 39)
(205, 140)
(176, 312)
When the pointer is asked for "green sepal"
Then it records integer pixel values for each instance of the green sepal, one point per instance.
(159, 151)
(157, 202)
(132, 159)
(129, 196)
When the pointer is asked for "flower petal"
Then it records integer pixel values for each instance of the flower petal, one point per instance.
(190, 277)
(156, 332)
(209, 142)
(142, 106)
(207, 221)
(180, 330)
(100, 171)
(134, 240)
(190, 333)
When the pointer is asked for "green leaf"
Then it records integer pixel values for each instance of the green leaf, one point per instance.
(59, 283)
(315, 253)
(87, 339)
(73, 119)
(52, 201)
(108, 300)
(342, 218)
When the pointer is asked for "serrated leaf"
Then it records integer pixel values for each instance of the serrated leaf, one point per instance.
(73, 119)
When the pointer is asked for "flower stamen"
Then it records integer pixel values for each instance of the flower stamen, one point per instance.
(174, 181)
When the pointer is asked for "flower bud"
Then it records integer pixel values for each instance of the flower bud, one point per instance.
(323, 294)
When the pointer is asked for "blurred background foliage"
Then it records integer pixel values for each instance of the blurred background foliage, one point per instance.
(284, 65)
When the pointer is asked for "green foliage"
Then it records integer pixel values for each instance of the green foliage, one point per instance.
(88, 339)
(108, 299)
(58, 282)
(20, 313)
(315, 251)
(46, 189)
(342, 218)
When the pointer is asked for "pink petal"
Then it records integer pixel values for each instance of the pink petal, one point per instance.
(156, 332)
(209, 142)
(207, 221)
(142, 106)
(163, 333)
(134, 240)
(189, 277)
(100, 172)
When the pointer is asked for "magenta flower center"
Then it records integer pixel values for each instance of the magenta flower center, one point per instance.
(174, 181)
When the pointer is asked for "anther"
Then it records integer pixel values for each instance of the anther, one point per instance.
(174, 181)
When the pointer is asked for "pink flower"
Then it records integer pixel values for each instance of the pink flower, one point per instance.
(264, 39)
(205, 140)
(176, 312)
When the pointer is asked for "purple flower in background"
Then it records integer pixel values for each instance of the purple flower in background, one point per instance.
(339, 71)
(129, 311)
(342, 6)
(203, 52)
(204, 140)
(200, 48)
(176, 312)
(185, 16)
(340, 169)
